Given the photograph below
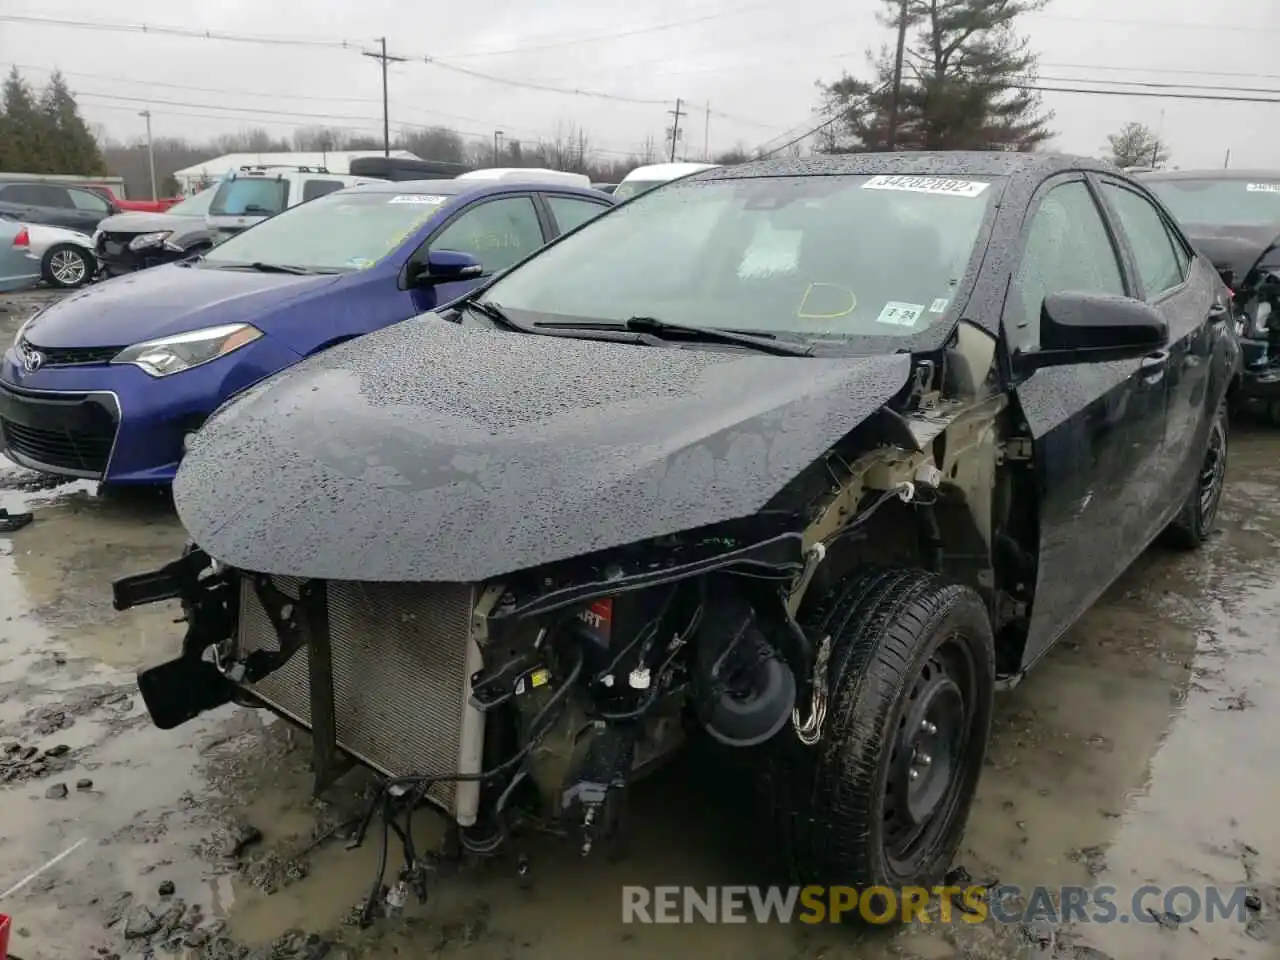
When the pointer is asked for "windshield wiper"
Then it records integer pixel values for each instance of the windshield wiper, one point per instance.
(494, 311)
(761, 341)
(279, 268)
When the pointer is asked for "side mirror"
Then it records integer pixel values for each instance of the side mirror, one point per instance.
(443, 266)
(1094, 328)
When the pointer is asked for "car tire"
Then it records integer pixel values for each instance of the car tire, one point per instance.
(908, 650)
(1273, 413)
(1199, 514)
(66, 266)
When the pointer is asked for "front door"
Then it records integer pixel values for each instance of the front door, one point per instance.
(498, 232)
(1097, 428)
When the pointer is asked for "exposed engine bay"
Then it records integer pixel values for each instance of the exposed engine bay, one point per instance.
(538, 697)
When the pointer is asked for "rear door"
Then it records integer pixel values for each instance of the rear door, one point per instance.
(1181, 288)
(569, 211)
(1097, 429)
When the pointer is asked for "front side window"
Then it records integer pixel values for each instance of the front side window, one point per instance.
(339, 233)
(1153, 250)
(250, 197)
(1068, 251)
(498, 233)
(845, 256)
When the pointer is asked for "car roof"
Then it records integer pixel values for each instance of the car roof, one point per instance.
(1248, 175)
(951, 163)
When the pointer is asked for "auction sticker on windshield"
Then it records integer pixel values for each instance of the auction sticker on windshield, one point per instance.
(900, 314)
(417, 198)
(913, 184)
(1263, 188)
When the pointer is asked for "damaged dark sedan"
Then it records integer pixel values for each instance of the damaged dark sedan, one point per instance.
(810, 457)
(1233, 218)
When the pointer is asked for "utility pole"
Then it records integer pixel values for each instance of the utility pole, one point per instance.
(1226, 163)
(386, 113)
(891, 135)
(151, 155)
(706, 136)
(497, 138)
(675, 128)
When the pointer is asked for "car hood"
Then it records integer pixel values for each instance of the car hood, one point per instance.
(430, 452)
(1234, 248)
(165, 300)
(147, 223)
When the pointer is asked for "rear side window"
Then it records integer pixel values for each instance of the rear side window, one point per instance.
(36, 195)
(318, 188)
(1153, 249)
(570, 212)
(250, 197)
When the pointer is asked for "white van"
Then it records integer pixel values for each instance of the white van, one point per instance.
(255, 192)
(655, 175)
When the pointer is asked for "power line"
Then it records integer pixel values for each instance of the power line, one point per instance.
(1160, 85)
(531, 85)
(1123, 21)
(607, 37)
(1178, 72)
(1157, 95)
(191, 33)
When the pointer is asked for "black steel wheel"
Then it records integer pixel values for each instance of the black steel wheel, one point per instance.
(883, 797)
(1199, 513)
(66, 266)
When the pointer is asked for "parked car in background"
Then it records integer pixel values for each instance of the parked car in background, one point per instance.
(55, 204)
(604, 187)
(65, 257)
(643, 179)
(110, 382)
(134, 241)
(1233, 218)
(809, 456)
(137, 206)
(251, 194)
(17, 270)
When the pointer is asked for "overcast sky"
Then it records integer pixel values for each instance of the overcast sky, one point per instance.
(755, 63)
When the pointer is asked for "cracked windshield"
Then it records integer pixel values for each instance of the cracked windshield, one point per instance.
(687, 479)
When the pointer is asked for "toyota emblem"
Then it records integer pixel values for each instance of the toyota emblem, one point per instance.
(32, 360)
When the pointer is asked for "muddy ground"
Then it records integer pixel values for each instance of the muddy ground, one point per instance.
(1145, 750)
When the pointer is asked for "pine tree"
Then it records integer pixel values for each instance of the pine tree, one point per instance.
(73, 148)
(963, 83)
(24, 139)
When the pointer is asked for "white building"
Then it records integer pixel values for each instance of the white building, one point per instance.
(207, 172)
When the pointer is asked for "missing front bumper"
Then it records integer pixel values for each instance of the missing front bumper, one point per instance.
(378, 673)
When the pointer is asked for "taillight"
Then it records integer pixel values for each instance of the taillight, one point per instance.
(23, 239)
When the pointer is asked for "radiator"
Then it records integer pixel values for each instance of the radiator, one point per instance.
(402, 658)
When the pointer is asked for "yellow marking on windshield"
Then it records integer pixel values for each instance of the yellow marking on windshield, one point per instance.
(826, 288)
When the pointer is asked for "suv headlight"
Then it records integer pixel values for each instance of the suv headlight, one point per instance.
(166, 355)
(150, 239)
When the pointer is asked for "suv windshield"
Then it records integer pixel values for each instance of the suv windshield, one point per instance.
(250, 196)
(825, 255)
(339, 232)
(1225, 202)
(196, 205)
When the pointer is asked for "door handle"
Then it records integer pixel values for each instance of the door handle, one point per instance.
(1153, 366)
(1219, 311)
